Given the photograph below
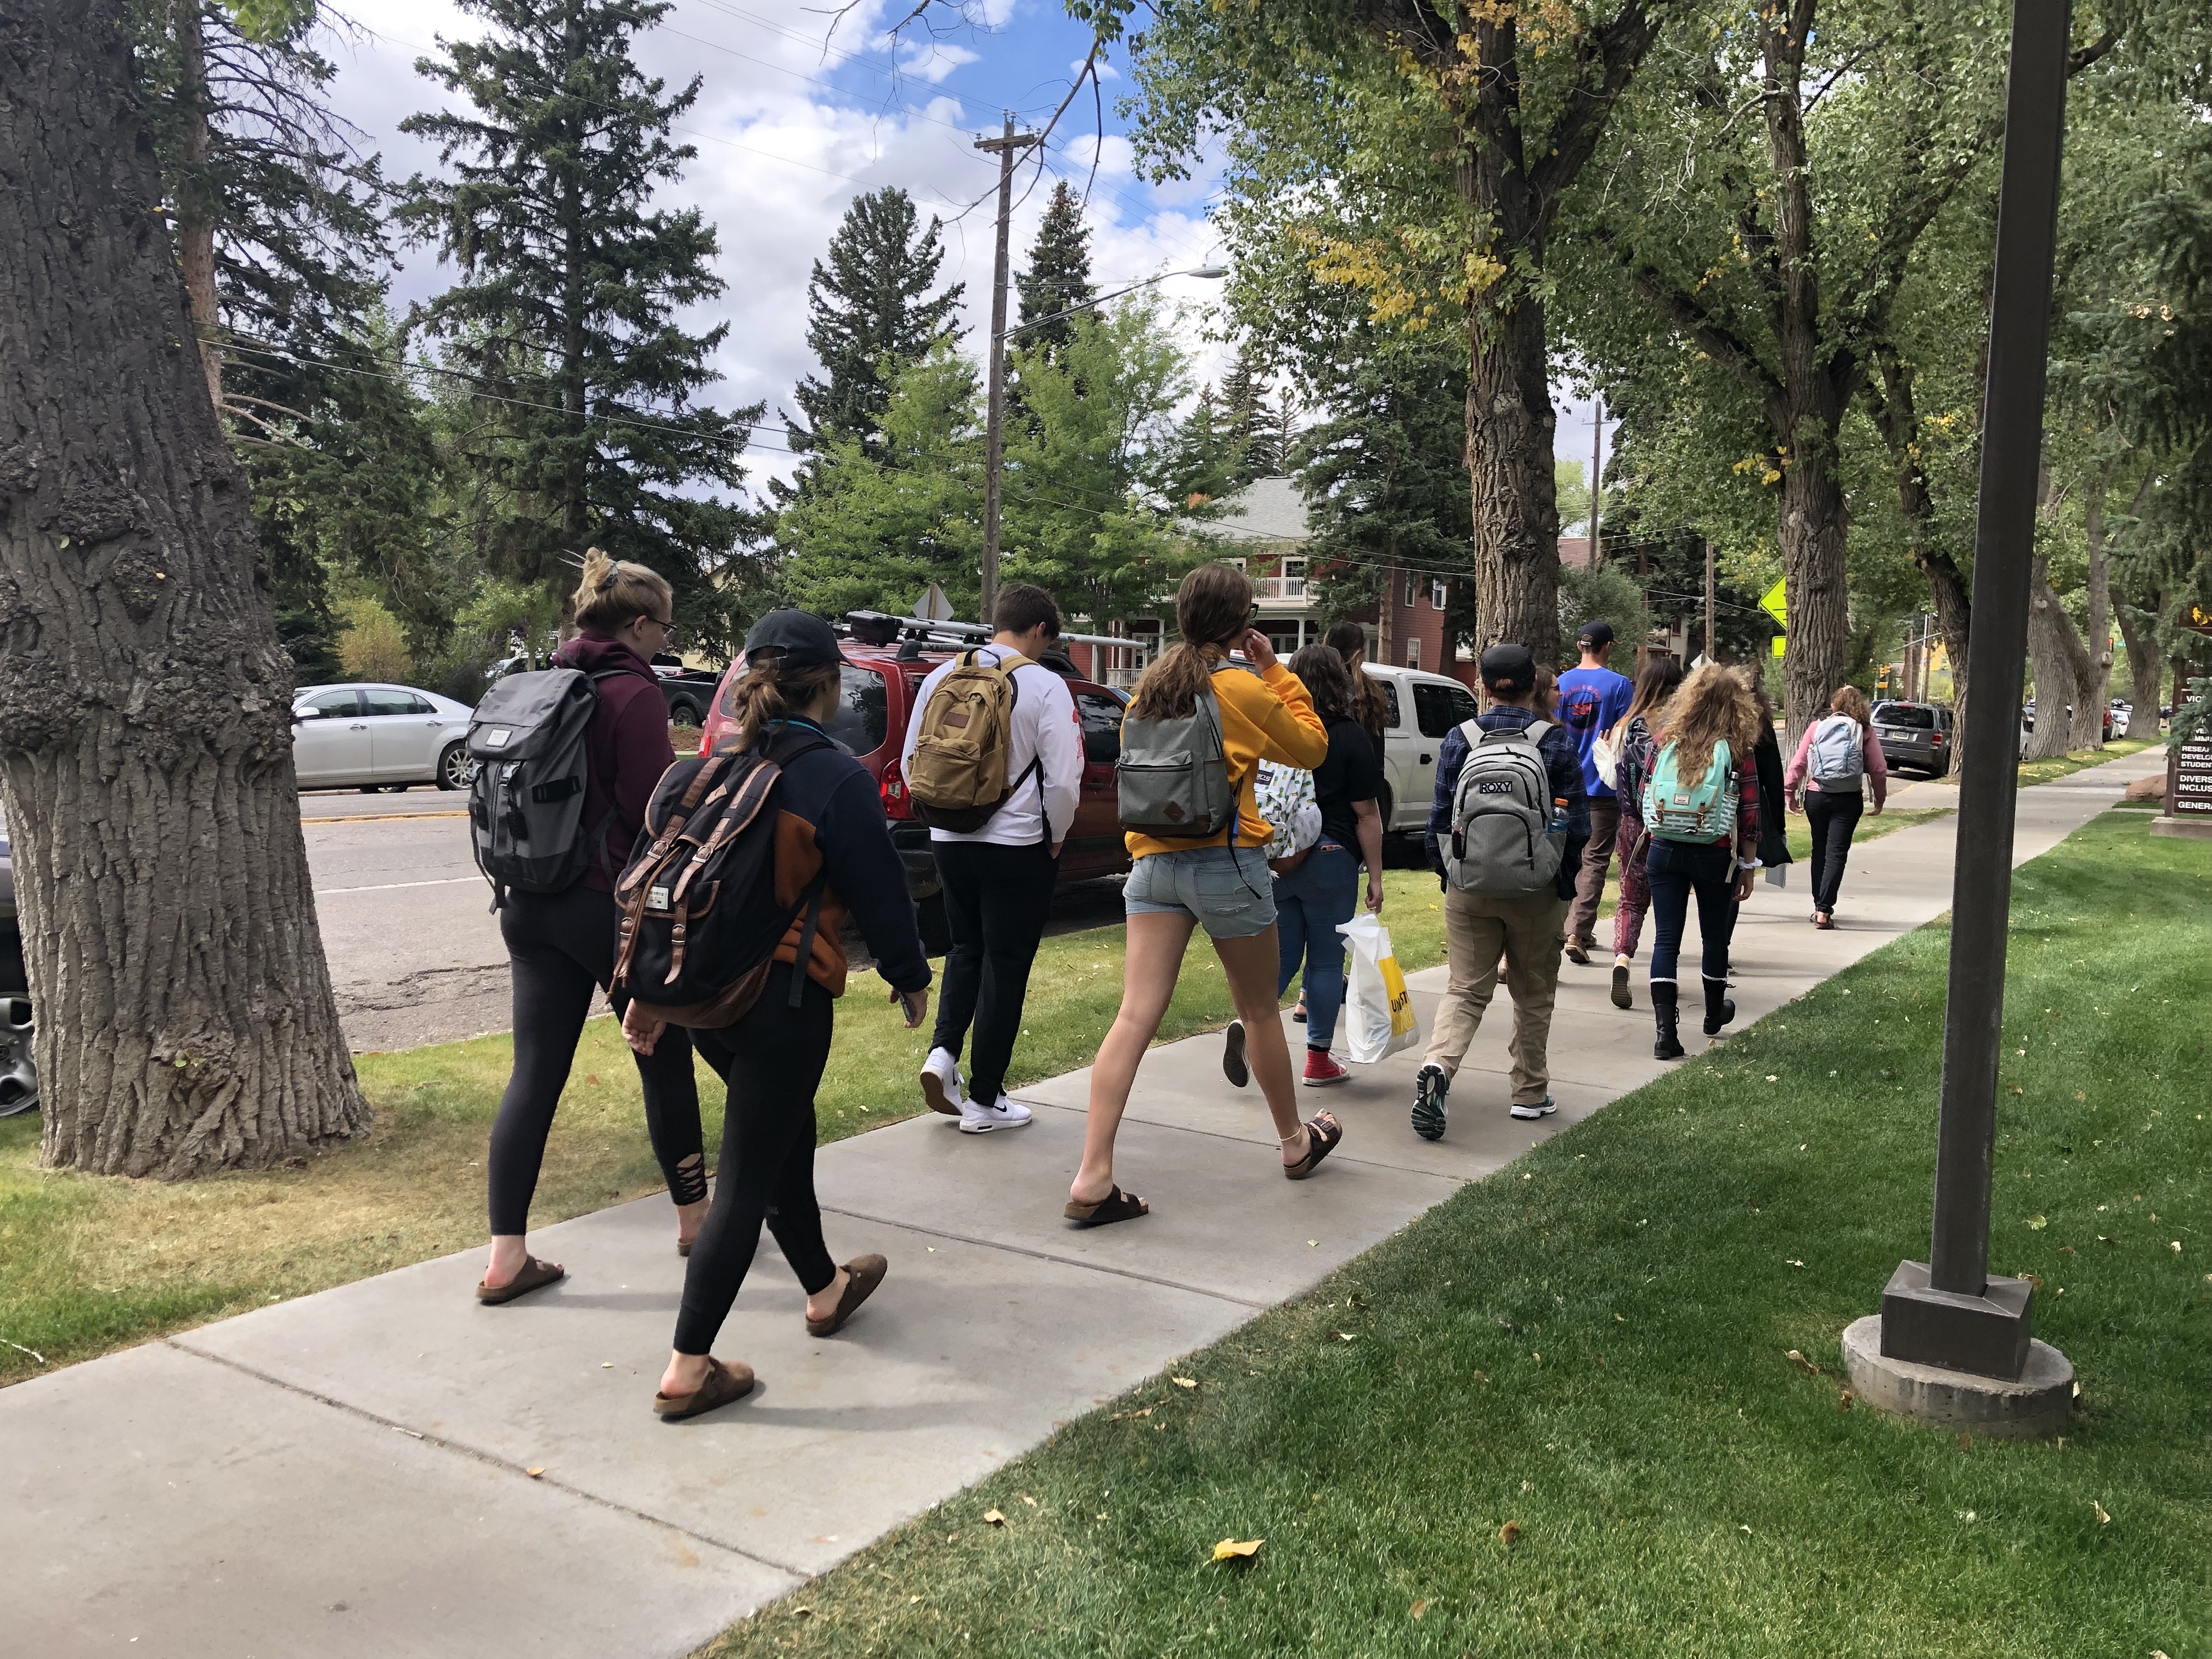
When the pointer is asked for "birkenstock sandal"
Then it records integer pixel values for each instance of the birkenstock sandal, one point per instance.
(862, 1274)
(724, 1383)
(1116, 1206)
(1323, 1131)
(535, 1275)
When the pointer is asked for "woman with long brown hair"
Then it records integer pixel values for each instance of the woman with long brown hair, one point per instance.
(1371, 704)
(1700, 809)
(1838, 760)
(1630, 740)
(1219, 881)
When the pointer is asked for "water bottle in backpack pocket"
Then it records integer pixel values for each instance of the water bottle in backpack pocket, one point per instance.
(1501, 815)
(1838, 760)
(1172, 778)
(1700, 810)
(527, 790)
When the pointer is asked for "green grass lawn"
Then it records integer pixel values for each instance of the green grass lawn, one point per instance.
(1558, 1414)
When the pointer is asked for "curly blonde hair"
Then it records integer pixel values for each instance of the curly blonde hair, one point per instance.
(1712, 706)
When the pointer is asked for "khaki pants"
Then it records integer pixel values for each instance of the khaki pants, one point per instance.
(1526, 930)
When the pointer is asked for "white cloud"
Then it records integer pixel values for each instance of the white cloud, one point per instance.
(933, 60)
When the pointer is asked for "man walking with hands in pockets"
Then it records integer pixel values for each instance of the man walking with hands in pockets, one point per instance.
(992, 721)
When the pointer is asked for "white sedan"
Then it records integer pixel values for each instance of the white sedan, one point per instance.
(378, 737)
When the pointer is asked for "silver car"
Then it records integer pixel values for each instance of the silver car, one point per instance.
(374, 737)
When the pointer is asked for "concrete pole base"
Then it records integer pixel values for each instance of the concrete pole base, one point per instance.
(2188, 829)
(2040, 1403)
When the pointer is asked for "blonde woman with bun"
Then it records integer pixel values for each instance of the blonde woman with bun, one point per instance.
(561, 946)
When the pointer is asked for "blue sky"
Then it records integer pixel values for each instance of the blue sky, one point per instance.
(791, 122)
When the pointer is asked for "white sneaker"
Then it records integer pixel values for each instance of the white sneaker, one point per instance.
(979, 1120)
(940, 1083)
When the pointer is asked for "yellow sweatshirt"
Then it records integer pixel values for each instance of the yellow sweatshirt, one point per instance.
(1266, 718)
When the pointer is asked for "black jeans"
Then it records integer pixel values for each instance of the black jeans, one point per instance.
(772, 1061)
(1833, 818)
(1675, 869)
(560, 945)
(996, 901)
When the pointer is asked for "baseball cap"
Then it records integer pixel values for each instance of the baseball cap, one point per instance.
(791, 638)
(1596, 634)
(1508, 668)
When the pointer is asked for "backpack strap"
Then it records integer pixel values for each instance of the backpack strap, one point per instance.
(815, 890)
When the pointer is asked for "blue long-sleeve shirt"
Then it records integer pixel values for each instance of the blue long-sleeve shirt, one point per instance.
(1562, 763)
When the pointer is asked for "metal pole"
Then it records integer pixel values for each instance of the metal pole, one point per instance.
(1951, 1313)
(1007, 144)
(1597, 474)
(1709, 603)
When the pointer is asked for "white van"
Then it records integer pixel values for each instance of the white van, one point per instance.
(1422, 707)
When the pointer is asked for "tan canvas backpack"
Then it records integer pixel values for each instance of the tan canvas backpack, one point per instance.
(957, 776)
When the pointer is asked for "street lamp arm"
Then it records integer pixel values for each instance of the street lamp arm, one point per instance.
(1210, 272)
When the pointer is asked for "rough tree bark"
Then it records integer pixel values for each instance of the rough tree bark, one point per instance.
(185, 1020)
(195, 205)
(2097, 642)
(1897, 416)
(2144, 671)
(2062, 666)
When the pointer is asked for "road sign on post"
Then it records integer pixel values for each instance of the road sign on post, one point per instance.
(1776, 604)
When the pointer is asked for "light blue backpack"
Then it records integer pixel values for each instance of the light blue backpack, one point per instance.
(1703, 811)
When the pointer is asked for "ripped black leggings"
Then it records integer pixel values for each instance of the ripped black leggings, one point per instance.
(561, 946)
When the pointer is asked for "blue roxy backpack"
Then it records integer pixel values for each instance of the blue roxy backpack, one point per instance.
(1703, 811)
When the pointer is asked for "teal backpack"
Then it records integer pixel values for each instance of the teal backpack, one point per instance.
(1704, 811)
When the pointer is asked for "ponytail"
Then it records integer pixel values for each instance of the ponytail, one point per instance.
(1213, 606)
(613, 593)
(768, 692)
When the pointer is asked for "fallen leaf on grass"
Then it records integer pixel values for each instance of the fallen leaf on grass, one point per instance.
(1184, 1381)
(1482, 1377)
(1844, 1400)
(1027, 1499)
(1345, 1336)
(1802, 1363)
(2103, 1519)
(1118, 1417)
(1794, 1262)
(992, 1517)
(1418, 1609)
(1508, 1531)
(2036, 1223)
(797, 1613)
(1231, 1549)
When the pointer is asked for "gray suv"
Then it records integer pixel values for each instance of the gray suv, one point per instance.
(18, 1076)
(1919, 735)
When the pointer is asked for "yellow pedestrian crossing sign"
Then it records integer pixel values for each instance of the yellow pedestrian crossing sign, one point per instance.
(1776, 604)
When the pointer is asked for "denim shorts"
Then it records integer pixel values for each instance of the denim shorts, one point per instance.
(1226, 891)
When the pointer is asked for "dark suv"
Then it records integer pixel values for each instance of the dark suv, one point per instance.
(1916, 734)
(886, 660)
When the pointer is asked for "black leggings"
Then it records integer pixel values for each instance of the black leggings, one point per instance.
(772, 1061)
(561, 945)
(1676, 870)
(1833, 817)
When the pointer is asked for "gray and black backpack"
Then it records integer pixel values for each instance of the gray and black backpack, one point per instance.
(1172, 778)
(527, 788)
(1501, 814)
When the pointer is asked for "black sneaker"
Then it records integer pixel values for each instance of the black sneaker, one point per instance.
(1621, 998)
(1232, 1055)
(1431, 1085)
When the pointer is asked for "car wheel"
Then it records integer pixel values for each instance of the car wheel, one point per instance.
(453, 767)
(371, 789)
(683, 713)
(935, 927)
(19, 1072)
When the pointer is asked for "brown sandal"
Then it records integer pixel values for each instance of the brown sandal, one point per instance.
(724, 1383)
(1116, 1206)
(535, 1275)
(1323, 1131)
(862, 1274)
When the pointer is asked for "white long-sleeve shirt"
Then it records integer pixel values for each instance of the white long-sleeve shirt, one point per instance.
(1044, 723)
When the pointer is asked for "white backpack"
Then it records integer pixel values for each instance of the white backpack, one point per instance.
(1838, 760)
(1284, 796)
(1501, 816)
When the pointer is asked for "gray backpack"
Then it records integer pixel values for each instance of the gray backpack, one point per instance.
(1501, 816)
(526, 788)
(1837, 761)
(1172, 776)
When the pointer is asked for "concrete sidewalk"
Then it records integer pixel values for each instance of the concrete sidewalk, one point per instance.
(388, 1468)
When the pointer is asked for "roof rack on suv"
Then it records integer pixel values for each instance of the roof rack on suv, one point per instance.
(881, 628)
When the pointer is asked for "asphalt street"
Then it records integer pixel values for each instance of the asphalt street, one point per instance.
(414, 949)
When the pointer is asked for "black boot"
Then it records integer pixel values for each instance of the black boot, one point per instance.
(1663, 1014)
(1719, 1011)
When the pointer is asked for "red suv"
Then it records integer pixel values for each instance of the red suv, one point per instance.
(886, 660)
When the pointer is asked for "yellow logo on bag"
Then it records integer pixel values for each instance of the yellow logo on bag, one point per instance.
(1401, 1000)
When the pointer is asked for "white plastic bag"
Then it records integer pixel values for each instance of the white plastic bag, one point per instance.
(1378, 1012)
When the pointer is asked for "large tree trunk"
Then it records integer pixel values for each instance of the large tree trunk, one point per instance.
(2061, 665)
(196, 203)
(2143, 668)
(1898, 415)
(2089, 707)
(1510, 427)
(185, 1021)
(1817, 656)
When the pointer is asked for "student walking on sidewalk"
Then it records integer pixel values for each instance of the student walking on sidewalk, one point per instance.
(999, 877)
(1319, 888)
(561, 945)
(1219, 881)
(1592, 700)
(830, 830)
(1837, 762)
(1630, 742)
(1701, 813)
(1516, 911)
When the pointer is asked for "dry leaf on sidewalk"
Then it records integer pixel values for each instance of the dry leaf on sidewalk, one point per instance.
(534, 1474)
(1231, 1549)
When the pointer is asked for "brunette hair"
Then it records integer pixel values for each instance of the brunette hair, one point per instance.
(612, 593)
(1544, 696)
(1849, 700)
(1214, 607)
(768, 692)
(1654, 683)
(1327, 680)
(1712, 706)
(1349, 640)
(1022, 606)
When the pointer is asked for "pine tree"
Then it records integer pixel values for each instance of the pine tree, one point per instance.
(565, 312)
(1059, 277)
(1249, 422)
(869, 313)
(1202, 463)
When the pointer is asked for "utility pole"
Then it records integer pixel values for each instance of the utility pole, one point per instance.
(1709, 602)
(1008, 145)
(1597, 473)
